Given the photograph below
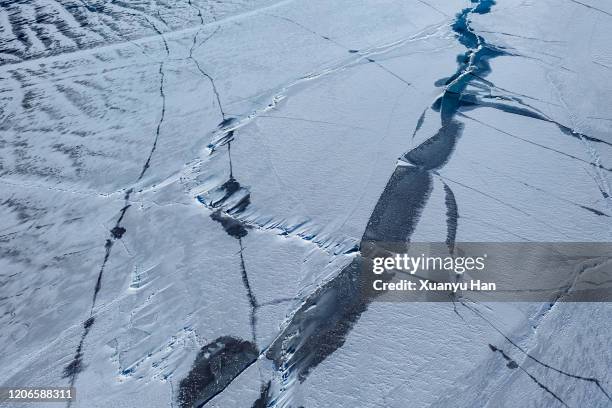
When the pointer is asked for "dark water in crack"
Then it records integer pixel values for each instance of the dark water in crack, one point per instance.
(215, 367)
(452, 215)
(399, 207)
(436, 151)
(322, 323)
(232, 226)
(117, 232)
(513, 365)
(263, 397)
(76, 365)
(227, 190)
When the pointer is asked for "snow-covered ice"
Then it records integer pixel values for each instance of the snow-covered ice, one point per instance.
(186, 187)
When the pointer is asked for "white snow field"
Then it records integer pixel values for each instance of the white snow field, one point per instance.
(184, 187)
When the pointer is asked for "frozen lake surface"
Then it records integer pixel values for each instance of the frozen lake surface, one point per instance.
(187, 187)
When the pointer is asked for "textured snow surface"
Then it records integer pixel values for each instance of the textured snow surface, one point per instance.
(184, 186)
